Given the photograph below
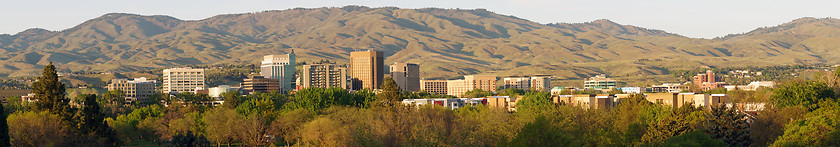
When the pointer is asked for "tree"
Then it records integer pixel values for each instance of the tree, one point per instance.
(806, 94)
(477, 93)
(113, 102)
(769, 124)
(92, 121)
(680, 121)
(818, 128)
(5, 141)
(539, 133)
(50, 93)
(391, 92)
(220, 125)
(728, 125)
(232, 99)
(37, 129)
(693, 138)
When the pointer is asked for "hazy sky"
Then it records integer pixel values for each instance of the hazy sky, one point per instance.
(692, 18)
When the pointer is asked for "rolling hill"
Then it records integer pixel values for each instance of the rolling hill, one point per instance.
(445, 42)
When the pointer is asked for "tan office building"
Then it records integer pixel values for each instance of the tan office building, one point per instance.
(324, 76)
(407, 76)
(434, 86)
(177, 80)
(139, 89)
(471, 82)
(367, 69)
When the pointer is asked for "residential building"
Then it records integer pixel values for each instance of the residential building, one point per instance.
(217, 92)
(708, 81)
(632, 89)
(451, 103)
(367, 69)
(138, 89)
(407, 76)
(599, 82)
(281, 68)
(324, 76)
(471, 82)
(434, 86)
(177, 80)
(29, 98)
(541, 82)
(260, 84)
(518, 82)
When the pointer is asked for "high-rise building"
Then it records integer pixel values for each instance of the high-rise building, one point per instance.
(138, 89)
(279, 67)
(260, 84)
(324, 76)
(367, 69)
(434, 86)
(407, 76)
(177, 80)
(599, 82)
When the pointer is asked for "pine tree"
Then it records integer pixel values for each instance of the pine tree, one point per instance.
(92, 121)
(232, 99)
(51, 94)
(728, 125)
(390, 90)
(5, 140)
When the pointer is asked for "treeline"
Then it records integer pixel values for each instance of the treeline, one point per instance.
(768, 73)
(804, 113)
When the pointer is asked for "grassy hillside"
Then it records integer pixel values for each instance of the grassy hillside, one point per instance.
(445, 42)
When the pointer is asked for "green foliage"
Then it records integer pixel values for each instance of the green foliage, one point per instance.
(320, 98)
(770, 123)
(728, 125)
(477, 93)
(5, 140)
(135, 126)
(820, 127)
(189, 139)
(693, 139)
(232, 99)
(38, 129)
(679, 121)
(541, 132)
(535, 104)
(512, 92)
(391, 92)
(50, 94)
(806, 94)
(92, 121)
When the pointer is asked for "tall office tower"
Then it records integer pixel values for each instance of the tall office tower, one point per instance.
(367, 70)
(177, 80)
(407, 76)
(138, 89)
(324, 76)
(279, 67)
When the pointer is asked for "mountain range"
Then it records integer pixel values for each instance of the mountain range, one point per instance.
(447, 43)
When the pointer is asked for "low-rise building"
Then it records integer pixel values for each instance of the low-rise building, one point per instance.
(216, 92)
(599, 82)
(434, 86)
(752, 86)
(451, 103)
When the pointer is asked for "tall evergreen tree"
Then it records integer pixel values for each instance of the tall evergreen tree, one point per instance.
(5, 140)
(390, 90)
(728, 125)
(92, 121)
(50, 93)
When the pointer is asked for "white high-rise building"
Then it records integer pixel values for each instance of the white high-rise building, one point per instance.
(176, 80)
(280, 67)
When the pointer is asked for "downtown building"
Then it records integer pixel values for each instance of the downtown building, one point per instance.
(469, 83)
(407, 76)
(708, 81)
(177, 80)
(537, 82)
(260, 84)
(139, 89)
(599, 82)
(367, 69)
(434, 86)
(280, 68)
(324, 76)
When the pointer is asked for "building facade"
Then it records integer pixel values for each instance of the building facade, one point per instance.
(177, 80)
(708, 81)
(217, 92)
(599, 82)
(434, 86)
(367, 69)
(281, 68)
(407, 76)
(260, 84)
(541, 83)
(139, 89)
(518, 82)
(324, 76)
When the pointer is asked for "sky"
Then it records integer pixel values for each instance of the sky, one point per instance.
(691, 18)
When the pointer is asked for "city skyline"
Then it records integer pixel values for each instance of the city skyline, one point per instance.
(707, 19)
